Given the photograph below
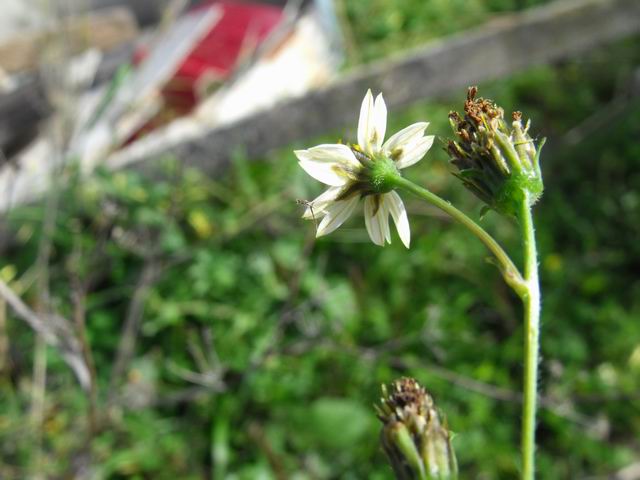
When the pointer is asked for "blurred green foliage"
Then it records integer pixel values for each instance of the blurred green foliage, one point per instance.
(261, 350)
(376, 28)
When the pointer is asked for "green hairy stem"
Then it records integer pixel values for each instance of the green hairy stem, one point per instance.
(531, 302)
(528, 289)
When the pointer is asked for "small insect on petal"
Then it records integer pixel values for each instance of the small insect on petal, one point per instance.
(336, 214)
(317, 207)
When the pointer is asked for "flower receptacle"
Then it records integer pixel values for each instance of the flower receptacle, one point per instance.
(383, 174)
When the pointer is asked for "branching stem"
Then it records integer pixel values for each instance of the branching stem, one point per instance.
(510, 272)
(527, 288)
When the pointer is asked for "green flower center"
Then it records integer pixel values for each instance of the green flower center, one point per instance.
(383, 174)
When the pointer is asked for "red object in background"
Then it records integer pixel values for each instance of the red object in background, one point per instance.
(241, 28)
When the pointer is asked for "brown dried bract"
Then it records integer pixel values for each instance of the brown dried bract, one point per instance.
(475, 109)
(407, 394)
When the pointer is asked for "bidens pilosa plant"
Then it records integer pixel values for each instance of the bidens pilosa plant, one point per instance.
(500, 163)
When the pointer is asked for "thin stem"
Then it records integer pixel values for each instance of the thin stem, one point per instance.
(38, 405)
(510, 272)
(531, 341)
(527, 288)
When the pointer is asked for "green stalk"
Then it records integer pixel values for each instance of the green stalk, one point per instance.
(531, 300)
(527, 288)
(509, 270)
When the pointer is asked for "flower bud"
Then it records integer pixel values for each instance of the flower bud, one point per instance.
(498, 162)
(417, 443)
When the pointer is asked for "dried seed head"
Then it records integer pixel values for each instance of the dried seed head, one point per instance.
(417, 443)
(496, 161)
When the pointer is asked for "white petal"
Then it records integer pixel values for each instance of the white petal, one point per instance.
(317, 207)
(335, 215)
(399, 214)
(372, 123)
(330, 152)
(332, 164)
(414, 152)
(365, 122)
(327, 173)
(405, 136)
(384, 205)
(379, 124)
(377, 222)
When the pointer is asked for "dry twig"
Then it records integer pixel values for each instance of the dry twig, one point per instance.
(55, 330)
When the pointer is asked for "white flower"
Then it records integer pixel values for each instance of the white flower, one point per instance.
(350, 172)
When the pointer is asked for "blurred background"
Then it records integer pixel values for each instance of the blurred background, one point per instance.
(164, 311)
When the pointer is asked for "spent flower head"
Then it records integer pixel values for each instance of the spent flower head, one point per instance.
(365, 171)
(497, 161)
(417, 443)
